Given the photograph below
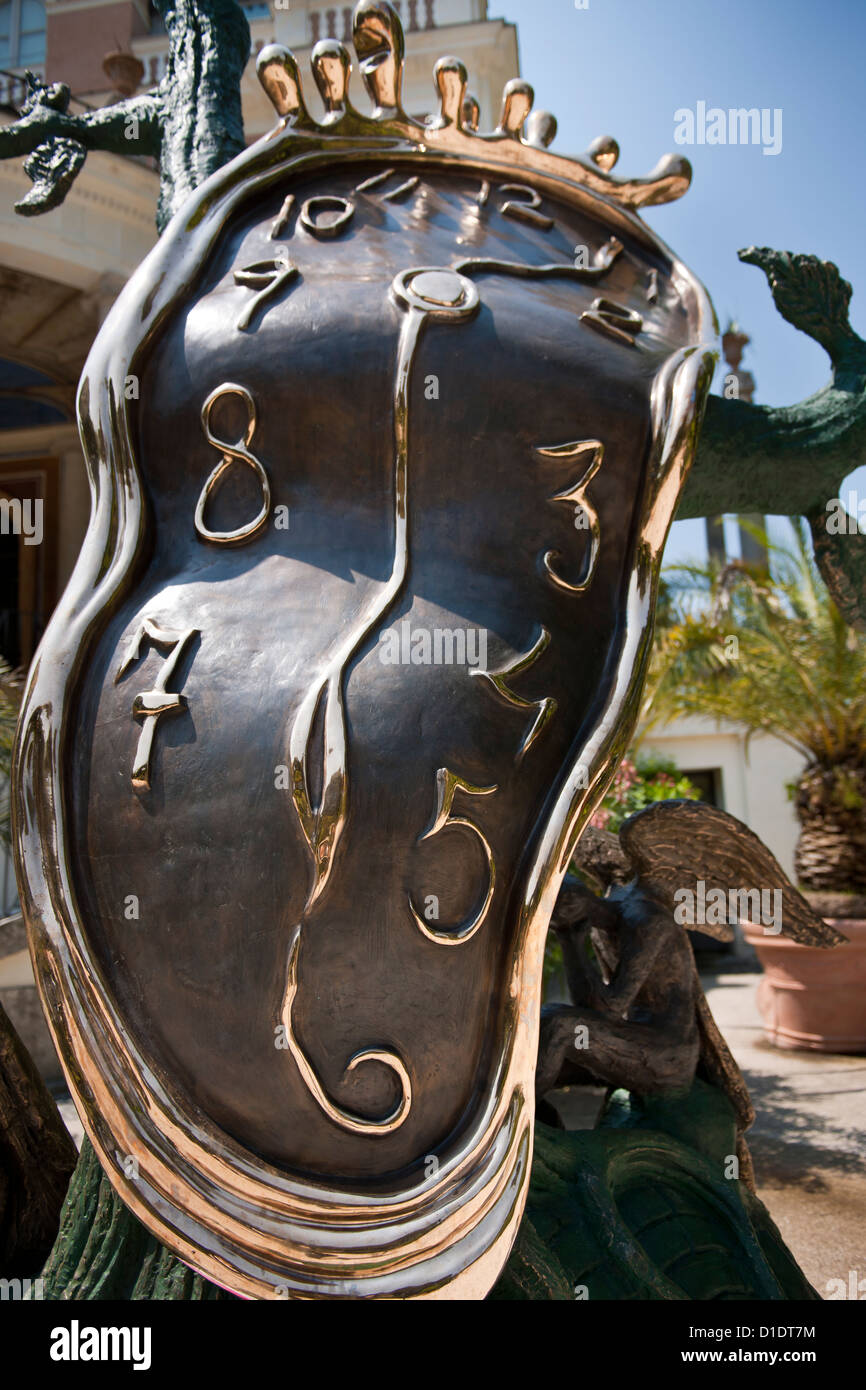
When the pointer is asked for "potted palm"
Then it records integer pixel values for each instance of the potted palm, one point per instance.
(768, 650)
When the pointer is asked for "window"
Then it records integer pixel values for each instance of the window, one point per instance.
(708, 781)
(22, 33)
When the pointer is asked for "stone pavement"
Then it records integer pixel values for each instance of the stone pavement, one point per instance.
(808, 1141)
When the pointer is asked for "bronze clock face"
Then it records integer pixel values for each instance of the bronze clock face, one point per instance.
(399, 447)
(508, 406)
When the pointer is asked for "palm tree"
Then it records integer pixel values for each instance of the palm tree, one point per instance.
(769, 650)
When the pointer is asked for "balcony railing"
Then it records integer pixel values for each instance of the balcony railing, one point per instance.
(13, 85)
(154, 68)
(331, 23)
(337, 23)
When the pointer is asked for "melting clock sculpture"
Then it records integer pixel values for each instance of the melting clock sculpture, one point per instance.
(385, 437)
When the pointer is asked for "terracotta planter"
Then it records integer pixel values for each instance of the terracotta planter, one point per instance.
(811, 998)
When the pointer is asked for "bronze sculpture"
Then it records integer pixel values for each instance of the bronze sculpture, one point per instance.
(326, 1134)
(213, 699)
(632, 977)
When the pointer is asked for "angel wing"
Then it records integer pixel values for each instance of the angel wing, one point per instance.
(672, 844)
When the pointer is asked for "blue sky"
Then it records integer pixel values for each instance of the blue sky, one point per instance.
(624, 67)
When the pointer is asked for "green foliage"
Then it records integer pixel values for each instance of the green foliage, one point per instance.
(640, 784)
(554, 965)
(767, 650)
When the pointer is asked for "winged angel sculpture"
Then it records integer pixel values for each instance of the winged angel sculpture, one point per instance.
(472, 378)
